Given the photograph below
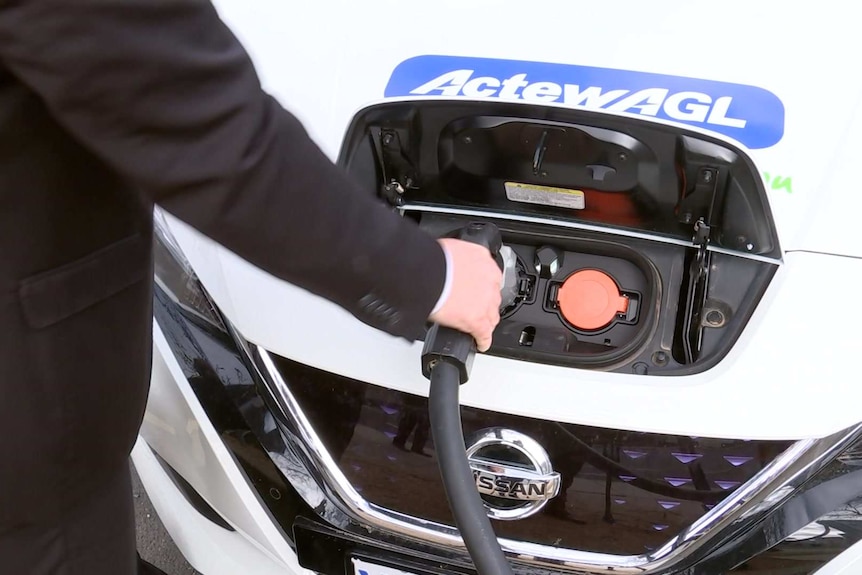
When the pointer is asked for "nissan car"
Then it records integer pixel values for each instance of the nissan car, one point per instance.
(673, 387)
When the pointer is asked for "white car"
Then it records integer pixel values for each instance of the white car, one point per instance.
(674, 387)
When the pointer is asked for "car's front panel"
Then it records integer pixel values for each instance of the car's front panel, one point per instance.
(707, 426)
(317, 449)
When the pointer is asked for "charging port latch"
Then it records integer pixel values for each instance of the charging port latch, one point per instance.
(702, 232)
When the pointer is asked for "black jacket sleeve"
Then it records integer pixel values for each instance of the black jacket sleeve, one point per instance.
(163, 93)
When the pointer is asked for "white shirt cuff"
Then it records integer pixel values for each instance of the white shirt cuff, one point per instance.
(447, 285)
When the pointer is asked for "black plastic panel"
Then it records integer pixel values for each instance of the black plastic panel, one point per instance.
(329, 551)
(562, 169)
(823, 520)
(805, 555)
(551, 337)
(635, 174)
(227, 391)
(624, 492)
(652, 273)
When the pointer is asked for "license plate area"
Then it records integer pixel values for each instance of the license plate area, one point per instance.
(361, 566)
(329, 551)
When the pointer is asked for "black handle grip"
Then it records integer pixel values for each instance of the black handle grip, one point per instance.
(450, 345)
(485, 234)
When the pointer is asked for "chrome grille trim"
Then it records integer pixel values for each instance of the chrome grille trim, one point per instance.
(739, 512)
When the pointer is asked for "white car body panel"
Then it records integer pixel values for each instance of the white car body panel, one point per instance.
(775, 384)
(207, 547)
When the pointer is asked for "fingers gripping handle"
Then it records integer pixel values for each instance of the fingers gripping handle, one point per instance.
(450, 345)
(484, 234)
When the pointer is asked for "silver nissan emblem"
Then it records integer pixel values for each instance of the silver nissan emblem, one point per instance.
(513, 473)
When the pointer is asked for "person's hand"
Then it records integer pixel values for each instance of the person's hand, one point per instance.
(473, 305)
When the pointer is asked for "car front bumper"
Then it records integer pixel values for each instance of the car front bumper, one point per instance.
(212, 455)
(178, 438)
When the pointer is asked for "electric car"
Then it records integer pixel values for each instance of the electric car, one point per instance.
(674, 383)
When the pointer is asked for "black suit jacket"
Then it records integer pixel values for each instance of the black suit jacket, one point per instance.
(109, 106)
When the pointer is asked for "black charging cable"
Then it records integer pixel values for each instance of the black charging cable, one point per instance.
(447, 359)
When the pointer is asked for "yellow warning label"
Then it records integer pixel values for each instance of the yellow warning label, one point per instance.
(545, 195)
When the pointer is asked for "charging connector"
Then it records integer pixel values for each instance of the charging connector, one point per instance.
(447, 359)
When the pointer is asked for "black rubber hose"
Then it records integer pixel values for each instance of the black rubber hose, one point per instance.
(467, 508)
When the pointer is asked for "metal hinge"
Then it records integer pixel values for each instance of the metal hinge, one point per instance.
(397, 172)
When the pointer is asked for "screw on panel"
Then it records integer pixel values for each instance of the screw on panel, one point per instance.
(715, 318)
(659, 358)
(640, 368)
(715, 313)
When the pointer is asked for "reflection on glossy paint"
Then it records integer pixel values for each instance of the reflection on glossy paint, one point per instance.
(620, 491)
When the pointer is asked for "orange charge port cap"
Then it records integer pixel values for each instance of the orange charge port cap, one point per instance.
(590, 299)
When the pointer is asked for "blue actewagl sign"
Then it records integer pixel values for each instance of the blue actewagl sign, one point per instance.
(751, 115)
